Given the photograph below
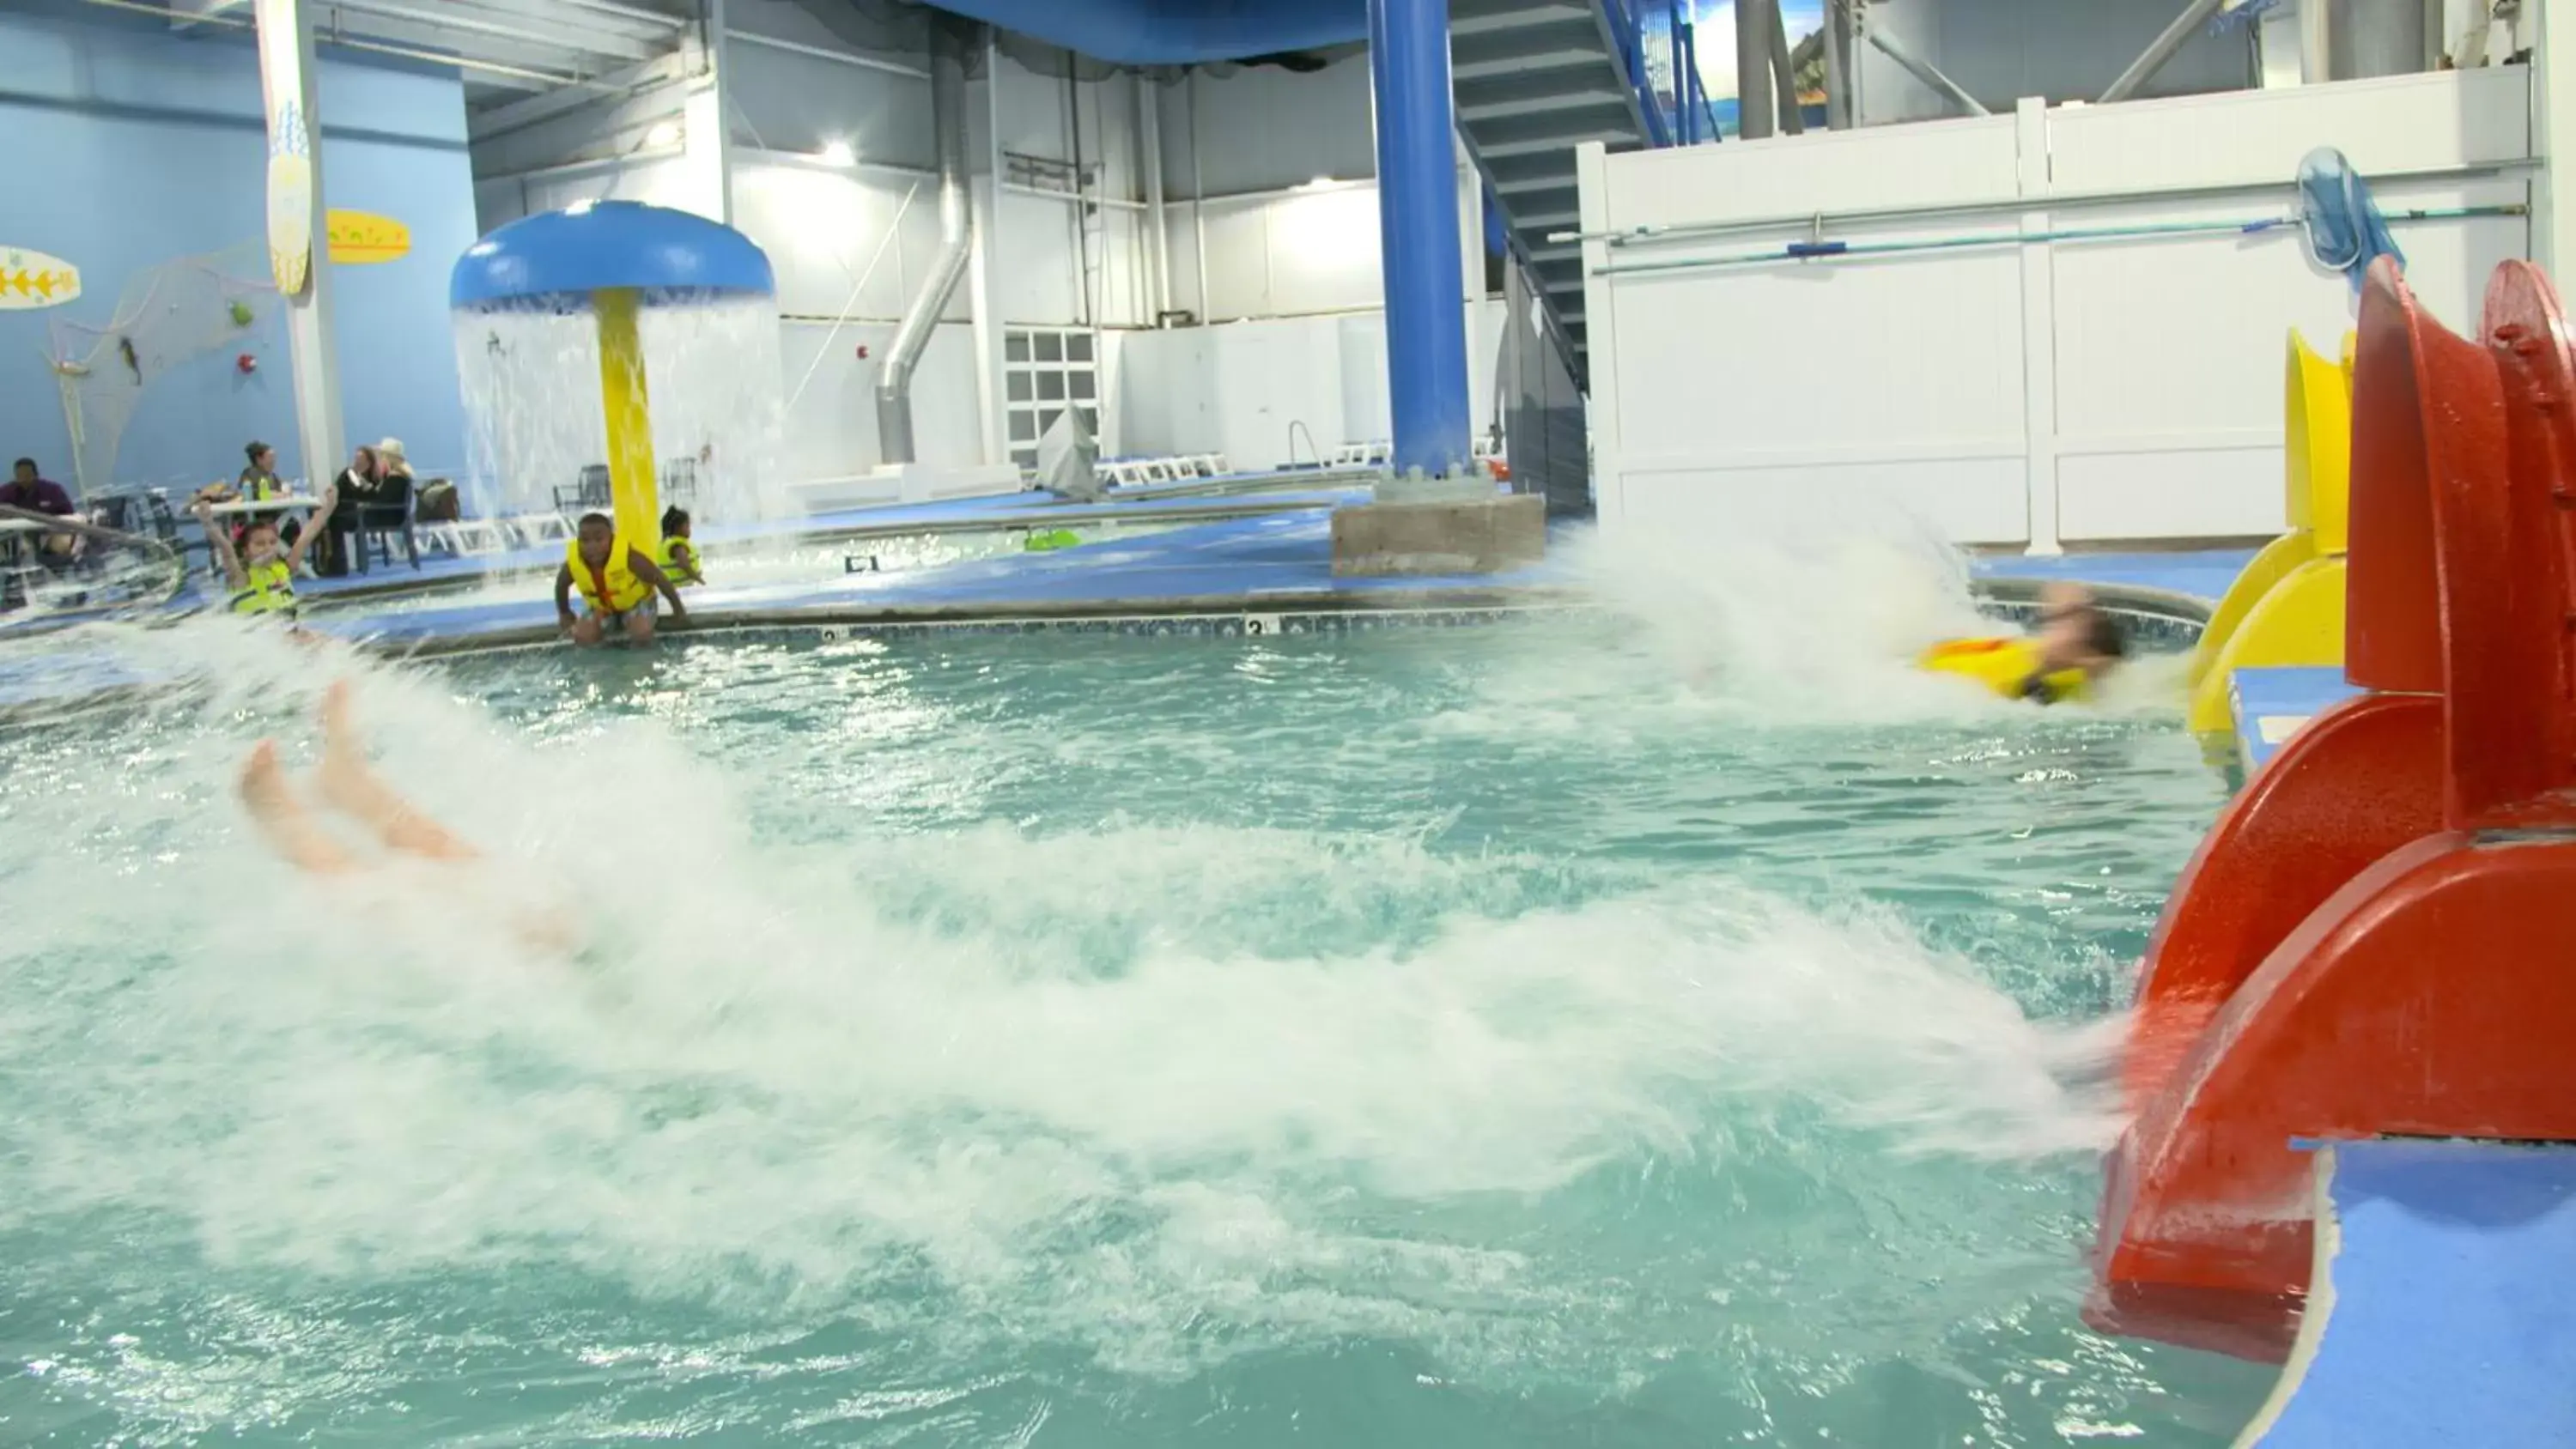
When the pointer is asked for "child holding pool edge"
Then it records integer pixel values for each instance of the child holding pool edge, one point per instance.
(261, 570)
(616, 581)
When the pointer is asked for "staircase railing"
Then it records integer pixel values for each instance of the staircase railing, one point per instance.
(1690, 94)
(1627, 30)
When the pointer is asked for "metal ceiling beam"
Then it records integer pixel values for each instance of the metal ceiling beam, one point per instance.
(456, 21)
(637, 13)
(186, 15)
(375, 42)
(552, 64)
(614, 129)
(493, 122)
(821, 52)
(655, 30)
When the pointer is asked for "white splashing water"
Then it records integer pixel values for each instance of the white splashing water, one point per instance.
(1792, 617)
(534, 417)
(761, 1073)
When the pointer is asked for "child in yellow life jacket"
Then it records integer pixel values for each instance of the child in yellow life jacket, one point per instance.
(616, 581)
(260, 572)
(679, 556)
(2078, 643)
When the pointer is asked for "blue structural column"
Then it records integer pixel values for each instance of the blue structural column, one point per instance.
(1417, 201)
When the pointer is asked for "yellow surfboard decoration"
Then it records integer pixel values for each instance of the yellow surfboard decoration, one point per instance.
(290, 203)
(361, 238)
(31, 279)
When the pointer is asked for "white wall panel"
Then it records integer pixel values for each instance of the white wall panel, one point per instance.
(1263, 128)
(1968, 499)
(2171, 489)
(1323, 251)
(822, 228)
(2081, 389)
(1875, 355)
(831, 427)
(1936, 163)
(785, 101)
(2257, 138)
(1238, 387)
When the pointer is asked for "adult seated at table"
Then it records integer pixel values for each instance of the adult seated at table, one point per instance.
(259, 482)
(386, 504)
(356, 488)
(31, 491)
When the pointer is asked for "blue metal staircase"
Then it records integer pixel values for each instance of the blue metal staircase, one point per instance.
(1533, 79)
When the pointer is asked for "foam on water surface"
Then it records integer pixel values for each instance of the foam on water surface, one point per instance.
(1504, 1035)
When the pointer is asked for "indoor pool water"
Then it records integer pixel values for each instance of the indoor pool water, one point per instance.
(1519, 1034)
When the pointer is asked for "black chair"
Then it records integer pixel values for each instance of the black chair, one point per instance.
(589, 495)
(381, 518)
(680, 481)
(158, 521)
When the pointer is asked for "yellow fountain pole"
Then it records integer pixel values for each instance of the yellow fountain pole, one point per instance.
(632, 482)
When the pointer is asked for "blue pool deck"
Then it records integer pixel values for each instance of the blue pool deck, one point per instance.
(2272, 703)
(2438, 1306)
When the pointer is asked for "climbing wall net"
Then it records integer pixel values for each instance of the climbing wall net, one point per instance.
(166, 317)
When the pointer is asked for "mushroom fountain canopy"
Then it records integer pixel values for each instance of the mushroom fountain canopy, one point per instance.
(588, 246)
(612, 262)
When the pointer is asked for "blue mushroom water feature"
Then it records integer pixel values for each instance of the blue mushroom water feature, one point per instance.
(673, 315)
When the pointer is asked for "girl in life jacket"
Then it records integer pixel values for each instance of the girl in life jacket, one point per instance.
(260, 572)
(680, 556)
(617, 583)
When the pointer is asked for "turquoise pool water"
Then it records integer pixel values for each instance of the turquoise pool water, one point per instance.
(1513, 1035)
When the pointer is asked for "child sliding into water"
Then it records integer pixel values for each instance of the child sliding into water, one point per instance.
(351, 787)
(348, 785)
(2077, 646)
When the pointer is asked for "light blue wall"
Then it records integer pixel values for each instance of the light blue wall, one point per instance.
(130, 147)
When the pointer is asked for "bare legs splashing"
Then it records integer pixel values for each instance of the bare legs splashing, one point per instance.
(349, 786)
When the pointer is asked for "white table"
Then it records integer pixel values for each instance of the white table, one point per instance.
(282, 503)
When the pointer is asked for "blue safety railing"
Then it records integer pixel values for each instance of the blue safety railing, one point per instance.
(1690, 95)
(1628, 30)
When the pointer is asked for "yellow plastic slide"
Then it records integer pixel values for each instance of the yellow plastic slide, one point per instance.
(2287, 607)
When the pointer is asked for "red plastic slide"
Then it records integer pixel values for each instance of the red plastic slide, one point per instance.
(2378, 938)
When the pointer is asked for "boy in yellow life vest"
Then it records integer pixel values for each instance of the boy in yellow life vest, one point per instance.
(616, 581)
(261, 572)
(679, 556)
(2077, 645)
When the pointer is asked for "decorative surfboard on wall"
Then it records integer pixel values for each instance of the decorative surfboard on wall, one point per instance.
(290, 199)
(284, 47)
(29, 280)
(360, 238)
